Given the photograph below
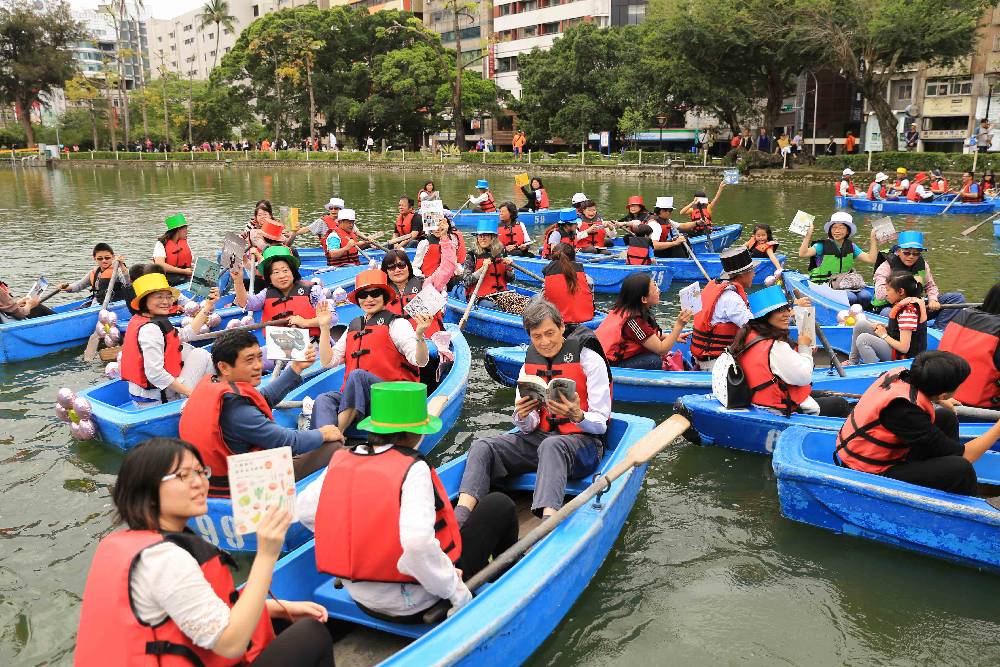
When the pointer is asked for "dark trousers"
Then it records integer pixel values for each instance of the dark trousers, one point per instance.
(832, 406)
(947, 473)
(308, 463)
(306, 643)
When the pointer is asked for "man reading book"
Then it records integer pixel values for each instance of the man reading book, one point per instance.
(561, 438)
(226, 414)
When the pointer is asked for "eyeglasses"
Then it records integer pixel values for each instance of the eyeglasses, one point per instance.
(187, 475)
(910, 253)
(369, 294)
(398, 265)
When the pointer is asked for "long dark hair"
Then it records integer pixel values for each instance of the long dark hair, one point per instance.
(263, 204)
(564, 256)
(533, 179)
(767, 230)
(906, 281)
(762, 328)
(392, 256)
(629, 302)
(991, 303)
(169, 235)
(136, 494)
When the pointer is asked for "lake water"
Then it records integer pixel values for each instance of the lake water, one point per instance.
(706, 570)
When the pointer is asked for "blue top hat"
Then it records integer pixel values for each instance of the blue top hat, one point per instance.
(568, 215)
(911, 239)
(482, 184)
(764, 301)
(486, 225)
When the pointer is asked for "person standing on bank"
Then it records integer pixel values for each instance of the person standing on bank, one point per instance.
(908, 258)
(157, 591)
(560, 439)
(984, 136)
(904, 427)
(384, 523)
(172, 251)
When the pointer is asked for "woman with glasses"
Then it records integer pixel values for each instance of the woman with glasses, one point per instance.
(378, 346)
(156, 589)
(837, 253)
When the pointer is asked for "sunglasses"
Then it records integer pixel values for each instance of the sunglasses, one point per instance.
(911, 253)
(398, 265)
(369, 294)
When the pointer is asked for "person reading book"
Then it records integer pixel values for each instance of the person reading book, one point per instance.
(556, 389)
(562, 438)
(227, 414)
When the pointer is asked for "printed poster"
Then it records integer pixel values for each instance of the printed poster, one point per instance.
(286, 343)
(205, 277)
(731, 176)
(36, 290)
(233, 247)
(884, 231)
(259, 481)
(805, 321)
(691, 298)
(428, 302)
(801, 223)
(432, 207)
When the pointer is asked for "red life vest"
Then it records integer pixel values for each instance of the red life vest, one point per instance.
(404, 224)
(542, 198)
(132, 368)
(370, 348)
(568, 239)
(564, 364)
(850, 188)
(489, 204)
(351, 256)
(576, 307)
(876, 191)
(709, 340)
(639, 251)
(512, 234)
(939, 186)
(278, 306)
(611, 333)
(178, 254)
(496, 276)
(918, 337)
(412, 288)
(110, 634)
(331, 227)
(766, 388)
(703, 220)
(911, 192)
(863, 443)
(432, 257)
(200, 425)
(596, 239)
(967, 187)
(357, 519)
(974, 335)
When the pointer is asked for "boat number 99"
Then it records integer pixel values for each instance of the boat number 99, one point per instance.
(208, 530)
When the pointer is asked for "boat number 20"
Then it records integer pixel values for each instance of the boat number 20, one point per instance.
(208, 530)
(877, 206)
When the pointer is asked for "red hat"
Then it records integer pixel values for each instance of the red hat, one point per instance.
(635, 199)
(921, 177)
(272, 230)
(368, 279)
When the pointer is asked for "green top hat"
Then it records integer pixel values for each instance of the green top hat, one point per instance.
(175, 221)
(400, 406)
(274, 252)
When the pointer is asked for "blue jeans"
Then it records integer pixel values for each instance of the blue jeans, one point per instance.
(357, 395)
(944, 315)
(647, 361)
(862, 296)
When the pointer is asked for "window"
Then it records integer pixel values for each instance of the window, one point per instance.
(549, 28)
(636, 13)
(159, 38)
(170, 35)
(256, 10)
(936, 88)
(902, 91)
(505, 10)
(189, 59)
(508, 64)
(529, 5)
(211, 35)
(529, 31)
(227, 31)
(226, 50)
(187, 27)
(173, 47)
(189, 40)
(963, 87)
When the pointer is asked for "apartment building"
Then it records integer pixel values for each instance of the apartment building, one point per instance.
(105, 45)
(414, 6)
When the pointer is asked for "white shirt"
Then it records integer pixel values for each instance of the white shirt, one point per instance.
(731, 308)
(844, 185)
(159, 251)
(422, 556)
(922, 192)
(480, 198)
(403, 335)
(795, 368)
(152, 344)
(595, 418)
(555, 236)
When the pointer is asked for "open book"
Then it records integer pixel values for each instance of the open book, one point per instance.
(532, 386)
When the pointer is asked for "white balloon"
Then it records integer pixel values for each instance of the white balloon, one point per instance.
(186, 320)
(111, 371)
(856, 308)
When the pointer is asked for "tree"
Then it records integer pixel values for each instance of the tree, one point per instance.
(35, 37)
(870, 40)
(216, 12)
(80, 90)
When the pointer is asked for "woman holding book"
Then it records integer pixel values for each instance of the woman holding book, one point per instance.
(285, 294)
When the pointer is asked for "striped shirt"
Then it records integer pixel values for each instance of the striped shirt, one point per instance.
(908, 318)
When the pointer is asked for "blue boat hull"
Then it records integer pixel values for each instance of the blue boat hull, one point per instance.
(469, 221)
(607, 276)
(812, 490)
(722, 238)
(666, 387)
(757, 430)
(216, 526)
(496, 324)
(904, 207)
(509, 619)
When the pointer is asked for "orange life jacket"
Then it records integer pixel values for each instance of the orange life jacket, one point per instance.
(966, 191)
(110, 633)
(703, 220)
(939, 186)
(851, 191)
(132, 368)
(639, 251)
(370, 348)
(611, 333)
(568, 239)
(512, 234)
(766, 388)
(759, 249)
(357, 519)
(278, 306)
(576, 306)
(709, 340)
(489, 204)
(351, 256)
(331, 227)
(876, 191)
(99, 284)
(595, 239)
(432, 257)
(974, 335)
(404, 223)
(863, 443)
(496, 276)
(178, 254)
(200, 425)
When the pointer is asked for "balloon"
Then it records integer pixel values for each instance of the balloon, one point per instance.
(182, 300)
(82, 407)
(850, 321)
(107, 341)
(112, 318)
(842, 315)
(186, 320)
(111, 371)
(99, 328)
(74, 430)
(102, 316)
(232, 324)
(191, 308)
(62, 413)
(115, 333)
(204, 329)
(856, 308)
(246, 320)
(119, 357)
(860, 317)
(86, 429)
(770, 280)
(65, 397)
(214, 320)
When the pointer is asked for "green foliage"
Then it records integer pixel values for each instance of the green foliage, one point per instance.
(888, 161)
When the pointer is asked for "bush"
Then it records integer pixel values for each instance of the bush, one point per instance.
(889, 161)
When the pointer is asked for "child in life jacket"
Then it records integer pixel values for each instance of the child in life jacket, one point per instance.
(762, 244)
(172, 251)
(487, 256)
(568, 287)
(906, 334)
(99, 278)
(378, 346)
(639, 246)
(156, 362)
(285, 294)
(700, 209)
(384, 523)
(630, 335)
(778, 375)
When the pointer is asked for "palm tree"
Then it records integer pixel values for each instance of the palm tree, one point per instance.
(216, 12)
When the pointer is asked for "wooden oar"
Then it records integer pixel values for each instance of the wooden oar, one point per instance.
(978, 225)
(961, 410)
(472, 300)
(95, 338)
(48, 296)
(638, 454)
(826, 343)
(248, 327)
(365, 237)
(950, 204)
(530, 274)
(690, 251)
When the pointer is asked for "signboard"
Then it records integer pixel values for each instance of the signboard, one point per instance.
(873, 135)
(605, 139)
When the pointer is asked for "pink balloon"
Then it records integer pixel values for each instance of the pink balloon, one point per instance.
(112, 317)
(102, 316)
(191, 308)
(74, 430)
(82, 407)
(232, 324)
(214, 320)
(247, 320)
(99, 328)
(111, 370)
(65, 397)
(115, 334)
(62, 413)
(86, 429)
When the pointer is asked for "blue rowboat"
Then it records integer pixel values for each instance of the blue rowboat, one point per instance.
(722, 238)
(507, 621)
(682, 269)
(216, 525)
(906, 207)
(121, 424)
(757, 430)
(469, 220)
(812, 490)
(496, 324)
(996, 228)
(607, 275)
(665, 387)
(841, 202)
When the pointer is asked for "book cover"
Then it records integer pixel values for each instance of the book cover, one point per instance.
(286, 343)
(691, 298)
(258, 481)
(428, 302)
(801, 223)
(205, 277)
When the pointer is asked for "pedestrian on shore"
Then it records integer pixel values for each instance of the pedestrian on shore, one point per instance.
(763, 141)
(850, 144)
(984, 136)
(831, 147)
(912, 137)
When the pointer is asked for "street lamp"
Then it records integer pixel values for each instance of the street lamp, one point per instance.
(815, 106)
(661, 120)
(992, 80)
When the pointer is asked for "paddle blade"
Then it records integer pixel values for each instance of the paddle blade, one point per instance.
(92, 343)
(656, 440)
(972, 229)
(436, 405)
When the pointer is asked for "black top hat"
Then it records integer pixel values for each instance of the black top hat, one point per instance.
(735, 261)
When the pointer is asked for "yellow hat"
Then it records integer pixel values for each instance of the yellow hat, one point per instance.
(149, 283)
(900, 170)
